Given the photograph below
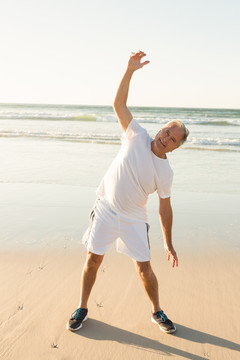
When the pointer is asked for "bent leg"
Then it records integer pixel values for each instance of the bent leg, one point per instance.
(150, 283)
(89, 275)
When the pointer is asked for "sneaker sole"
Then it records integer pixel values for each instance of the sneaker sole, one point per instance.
(166, 331)
(80, 326)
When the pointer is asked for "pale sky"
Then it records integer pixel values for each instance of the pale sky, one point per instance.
(75, 51)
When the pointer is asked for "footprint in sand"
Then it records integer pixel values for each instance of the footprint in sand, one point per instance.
(99, 305)
(41, 266)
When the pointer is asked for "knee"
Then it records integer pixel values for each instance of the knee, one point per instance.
(144, 269)
(93, 261)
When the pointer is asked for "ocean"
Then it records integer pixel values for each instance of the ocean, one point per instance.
(54, 156)
(211, 129)
(73, 144)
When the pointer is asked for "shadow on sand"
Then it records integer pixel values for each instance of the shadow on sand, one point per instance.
(203, 338)
(98, 330)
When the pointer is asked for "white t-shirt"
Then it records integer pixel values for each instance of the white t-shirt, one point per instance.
(135, 173)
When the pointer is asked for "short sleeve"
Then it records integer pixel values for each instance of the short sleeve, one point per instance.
(164, 191)
(132, 130)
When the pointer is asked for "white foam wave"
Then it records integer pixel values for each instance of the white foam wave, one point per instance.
(214, 141)
(111, 138)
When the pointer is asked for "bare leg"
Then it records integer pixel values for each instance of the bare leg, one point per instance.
(150, 283)
(89, 275)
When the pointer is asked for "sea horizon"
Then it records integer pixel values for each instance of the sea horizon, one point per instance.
(110, 105)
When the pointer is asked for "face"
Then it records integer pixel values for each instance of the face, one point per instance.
(167, 139)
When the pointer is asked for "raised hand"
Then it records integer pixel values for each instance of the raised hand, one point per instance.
(134, 62)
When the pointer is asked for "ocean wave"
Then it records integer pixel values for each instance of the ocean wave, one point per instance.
(163, 120)
(214, 141)
(207, 148)
(216, 122)
(105, 114)
(193, 142)
(213, 122)
(95, 138)
(48, 117)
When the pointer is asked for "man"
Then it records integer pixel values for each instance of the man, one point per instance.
(140, 168)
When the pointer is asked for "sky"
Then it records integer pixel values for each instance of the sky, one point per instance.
(76, 52)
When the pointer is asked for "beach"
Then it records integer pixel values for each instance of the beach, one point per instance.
(40, 282)
(50, 171)
(35, 308)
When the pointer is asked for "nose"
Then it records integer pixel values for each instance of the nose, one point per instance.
(166, 138)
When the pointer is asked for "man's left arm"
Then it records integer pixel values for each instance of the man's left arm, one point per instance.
(166, 219)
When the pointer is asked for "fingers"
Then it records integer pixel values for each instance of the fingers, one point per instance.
(174, 260)
(139, 54)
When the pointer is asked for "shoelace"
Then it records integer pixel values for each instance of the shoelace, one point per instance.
(162, 316)
(77, 314)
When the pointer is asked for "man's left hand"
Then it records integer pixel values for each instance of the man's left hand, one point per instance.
(172, 255)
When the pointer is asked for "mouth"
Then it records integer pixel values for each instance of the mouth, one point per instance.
(161, 143)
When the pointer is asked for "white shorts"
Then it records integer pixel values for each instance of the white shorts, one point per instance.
(106, 226)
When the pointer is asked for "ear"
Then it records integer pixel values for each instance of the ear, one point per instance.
(176, 147)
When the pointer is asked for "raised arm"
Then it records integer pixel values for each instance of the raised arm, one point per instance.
(120, 101)
(165, 213)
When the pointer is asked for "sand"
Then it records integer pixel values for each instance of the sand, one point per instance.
(41, 259)
(40, 289)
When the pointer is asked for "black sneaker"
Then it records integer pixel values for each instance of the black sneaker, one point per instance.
(164, 323)
(76, 319)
